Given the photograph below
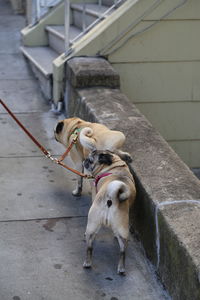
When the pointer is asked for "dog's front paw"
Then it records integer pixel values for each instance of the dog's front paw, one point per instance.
(77, 192)
(87, 265)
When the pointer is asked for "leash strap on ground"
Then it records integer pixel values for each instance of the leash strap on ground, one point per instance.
(46, 153)
(25, 130)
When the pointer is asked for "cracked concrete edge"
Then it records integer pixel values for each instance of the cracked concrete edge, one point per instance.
(161, 178)
(96, 72)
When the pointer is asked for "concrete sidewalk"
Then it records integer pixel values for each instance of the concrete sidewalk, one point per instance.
(42, 225)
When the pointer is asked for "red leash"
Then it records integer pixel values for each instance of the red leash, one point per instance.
(47, 153)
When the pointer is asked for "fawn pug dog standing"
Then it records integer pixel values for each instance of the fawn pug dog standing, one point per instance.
(90, 136)
(113, 194)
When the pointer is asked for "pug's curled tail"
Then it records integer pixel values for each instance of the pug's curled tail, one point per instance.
(86, 139)
(118, 190)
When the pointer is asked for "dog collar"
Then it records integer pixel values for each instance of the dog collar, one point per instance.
(75, 131)
(99, 177)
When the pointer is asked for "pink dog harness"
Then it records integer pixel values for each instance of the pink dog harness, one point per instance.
(98, 178)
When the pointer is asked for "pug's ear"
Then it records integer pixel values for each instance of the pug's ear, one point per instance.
(105, 158)
(125, 156)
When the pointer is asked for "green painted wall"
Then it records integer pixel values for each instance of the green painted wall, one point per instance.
(160, 73)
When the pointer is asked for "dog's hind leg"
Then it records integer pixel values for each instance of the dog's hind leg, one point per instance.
(88, 260)
(121, 265)
(92, 229)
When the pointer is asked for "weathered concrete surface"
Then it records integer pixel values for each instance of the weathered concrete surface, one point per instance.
(49, 264)
(48, 194)
(97, 72)
(5, 8)
(180, 251)
(161, 177)
(39, 124)
(41, 225)
(27, 94)
(16, 69)
(9, 34)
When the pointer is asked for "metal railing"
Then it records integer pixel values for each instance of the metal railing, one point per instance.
(36, 9)
(85, 28)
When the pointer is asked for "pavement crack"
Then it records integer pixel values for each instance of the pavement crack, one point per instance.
(29, 156)
(42, 219)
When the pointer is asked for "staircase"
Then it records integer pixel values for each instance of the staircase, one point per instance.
(41, 57)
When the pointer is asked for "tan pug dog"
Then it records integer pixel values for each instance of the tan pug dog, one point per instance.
(113, 194)
(90, 136)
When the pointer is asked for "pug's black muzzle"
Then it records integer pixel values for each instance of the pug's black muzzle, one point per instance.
(59, 127)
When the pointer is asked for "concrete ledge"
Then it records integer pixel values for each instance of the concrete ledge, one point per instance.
(167, 212)
(96, 72)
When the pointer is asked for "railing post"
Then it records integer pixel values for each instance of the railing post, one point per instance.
(67, 24)
(83, 16)
(38, 12)
(33, 11)
(29, 12)
(100, 5)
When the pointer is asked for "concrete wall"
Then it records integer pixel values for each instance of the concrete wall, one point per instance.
(18, 6)
(160, 73)
(166, 212)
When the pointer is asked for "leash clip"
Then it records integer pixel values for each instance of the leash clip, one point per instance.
(75, 139)
(55, 160)
(89, 176)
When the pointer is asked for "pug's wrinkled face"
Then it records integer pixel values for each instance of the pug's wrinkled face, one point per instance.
(96, 158)
(65, 128)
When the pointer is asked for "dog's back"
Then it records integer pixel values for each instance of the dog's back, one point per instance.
(113, 205)
(100, 137)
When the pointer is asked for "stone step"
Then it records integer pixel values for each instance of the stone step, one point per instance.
(112, 2)
(40, 59)
(108, 2)
(93, 11)
(56, 35)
